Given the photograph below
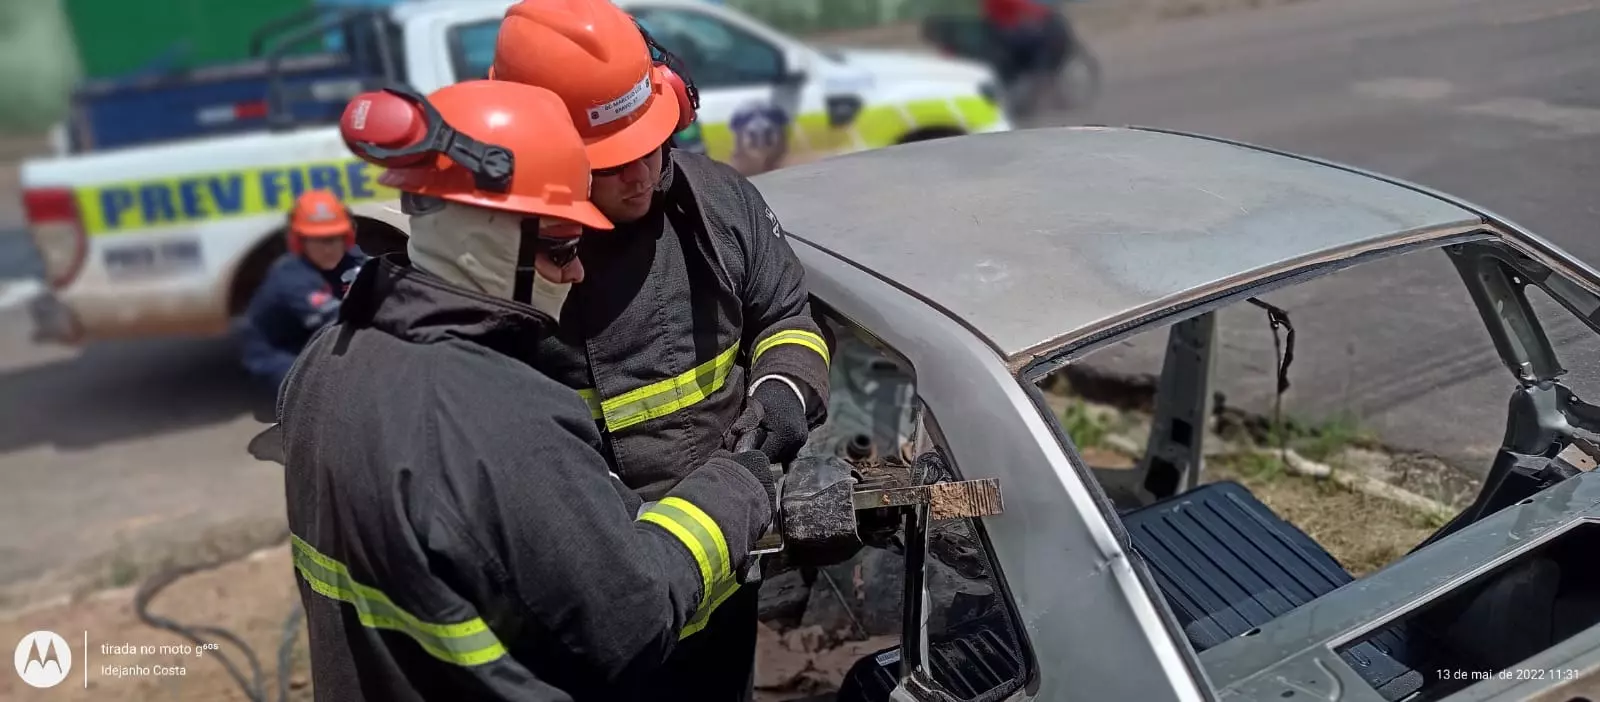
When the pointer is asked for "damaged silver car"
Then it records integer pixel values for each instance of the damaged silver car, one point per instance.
(957, 274)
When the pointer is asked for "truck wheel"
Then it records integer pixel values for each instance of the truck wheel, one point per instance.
(252, 271)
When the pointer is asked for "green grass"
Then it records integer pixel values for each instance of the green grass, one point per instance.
(1323, 440)
(1433, 521)
(122, 573)
(1254, 466)
(1086, 429)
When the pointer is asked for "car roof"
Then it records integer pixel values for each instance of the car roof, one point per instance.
(1031, 236)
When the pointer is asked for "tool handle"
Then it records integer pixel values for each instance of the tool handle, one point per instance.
(751, 440)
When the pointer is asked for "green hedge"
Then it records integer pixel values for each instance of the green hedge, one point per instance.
(38, 65)
(118, 36)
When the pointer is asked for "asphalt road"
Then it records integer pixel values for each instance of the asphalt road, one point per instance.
(132, 444)
(1491, 101)
(122, 455)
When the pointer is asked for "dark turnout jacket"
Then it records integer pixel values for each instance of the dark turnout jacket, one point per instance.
(456, 531)
(677, 313)
(294, 301)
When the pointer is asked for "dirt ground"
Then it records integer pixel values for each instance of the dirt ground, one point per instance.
(253, 598)
(250, 597)
(1380, 532)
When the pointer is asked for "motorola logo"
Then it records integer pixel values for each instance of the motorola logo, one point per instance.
(43, 659)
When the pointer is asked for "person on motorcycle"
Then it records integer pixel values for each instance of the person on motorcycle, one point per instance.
(302, 289)
(1024, 29)
(456, 532)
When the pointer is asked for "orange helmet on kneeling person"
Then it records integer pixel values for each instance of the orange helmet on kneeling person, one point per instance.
(592, 54)
(486, 143)
(319, 214)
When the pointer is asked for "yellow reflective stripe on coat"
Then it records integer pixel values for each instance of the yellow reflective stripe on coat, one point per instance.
(662, 398)
(798, 337)
(725, 589)
(701, 535)
(467, 643)
(593, 401)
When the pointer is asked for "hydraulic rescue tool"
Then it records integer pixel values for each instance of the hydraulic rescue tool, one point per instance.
(828, 508)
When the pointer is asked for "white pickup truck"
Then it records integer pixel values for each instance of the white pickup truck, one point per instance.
(171, 238)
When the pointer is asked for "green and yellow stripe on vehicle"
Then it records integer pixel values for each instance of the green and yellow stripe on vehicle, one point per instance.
(875, 127)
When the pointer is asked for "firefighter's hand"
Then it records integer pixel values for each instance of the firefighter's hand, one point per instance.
(782, 420)
(760, 466)
(746, 433)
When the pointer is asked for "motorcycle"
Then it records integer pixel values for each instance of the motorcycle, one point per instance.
(1070, 80)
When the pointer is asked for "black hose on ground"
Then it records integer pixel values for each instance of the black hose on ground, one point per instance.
(291, 626)
(255, 688)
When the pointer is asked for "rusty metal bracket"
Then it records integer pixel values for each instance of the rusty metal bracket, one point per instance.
(887, 485)
(956, 500)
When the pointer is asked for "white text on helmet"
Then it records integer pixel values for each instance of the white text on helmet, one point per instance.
(622, 107)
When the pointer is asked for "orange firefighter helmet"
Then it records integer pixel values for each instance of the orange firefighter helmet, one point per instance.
(319, 214)
(487, 143)
(623, 101)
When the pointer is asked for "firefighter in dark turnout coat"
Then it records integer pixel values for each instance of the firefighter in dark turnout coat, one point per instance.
(693, 312)
(456, 530)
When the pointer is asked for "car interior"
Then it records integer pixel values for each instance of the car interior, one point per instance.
(1225, 563)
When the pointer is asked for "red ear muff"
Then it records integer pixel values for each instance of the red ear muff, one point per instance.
(397, 127)
(385, 120)
(680, 89)
(681, 84)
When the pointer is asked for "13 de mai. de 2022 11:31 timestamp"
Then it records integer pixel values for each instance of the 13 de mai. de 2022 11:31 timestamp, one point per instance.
(1509, 674)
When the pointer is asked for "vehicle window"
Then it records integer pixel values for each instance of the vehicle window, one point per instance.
(1576, 347)
(716, 53)
(1317, 450)
(873, 422)
(472, 48)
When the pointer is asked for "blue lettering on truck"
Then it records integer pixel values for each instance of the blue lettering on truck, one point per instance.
(119, 207)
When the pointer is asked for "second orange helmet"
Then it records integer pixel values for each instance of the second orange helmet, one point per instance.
(591, 54)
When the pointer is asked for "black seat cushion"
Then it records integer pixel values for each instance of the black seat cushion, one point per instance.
(1227, 564)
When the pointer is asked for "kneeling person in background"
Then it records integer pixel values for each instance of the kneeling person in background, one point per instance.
(303, 289)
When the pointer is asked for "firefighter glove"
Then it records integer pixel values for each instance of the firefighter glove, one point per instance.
(783, 420)
(760, 466)
(746, 433)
